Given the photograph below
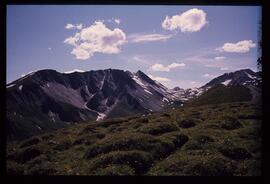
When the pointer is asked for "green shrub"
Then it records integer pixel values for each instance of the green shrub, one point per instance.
(177, 138)
(157, 147)
(139, 160)
(115, 170)
(30, 142)
(250, 116)
(27, 154)
(193, 165)
(230, 123)
(158, 128)
(210, 167)
(14, 168)
(112, 121)
(89, 139)
(188, 123)
(122, 141)
(198, 142)
(62, 146)
(235, 153)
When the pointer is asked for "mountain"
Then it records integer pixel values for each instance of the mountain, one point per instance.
(222, 94)
(246, 77)
(47, 100)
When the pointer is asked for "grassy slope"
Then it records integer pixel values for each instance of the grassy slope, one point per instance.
(223, 94)
(219, 139)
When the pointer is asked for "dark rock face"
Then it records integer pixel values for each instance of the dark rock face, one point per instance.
(47, 100)
(241, 77)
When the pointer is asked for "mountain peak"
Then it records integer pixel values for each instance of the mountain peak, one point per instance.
(144, 77)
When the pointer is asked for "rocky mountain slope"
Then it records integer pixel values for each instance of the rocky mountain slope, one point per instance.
(47, 100)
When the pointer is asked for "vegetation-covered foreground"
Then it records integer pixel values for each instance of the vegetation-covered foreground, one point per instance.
(206, 140)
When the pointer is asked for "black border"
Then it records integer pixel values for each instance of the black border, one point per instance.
(178, 179)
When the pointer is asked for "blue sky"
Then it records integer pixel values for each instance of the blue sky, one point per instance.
(187, 49)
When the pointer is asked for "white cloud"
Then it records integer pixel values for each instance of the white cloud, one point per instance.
(220, 58)
(192, 20)
(209, 76)
(159, 79)
(117, 21)
(239, 47)
(96, 38)
(138, 38)
(71, 26)
(75, 70)
(161, 67)
(49, 48)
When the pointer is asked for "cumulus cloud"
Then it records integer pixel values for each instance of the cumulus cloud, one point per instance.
(71, 26)
(220, 58)
(96, 38)
(192, 20)
(159, 79)
(161, 67)
(138, 38)
(238, 47)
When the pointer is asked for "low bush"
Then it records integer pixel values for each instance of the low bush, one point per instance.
(27, 154)
(139, 160)
(158, 128)
(230, 123)
(188, 123)
(30, 142)
(236, 153)
(89, 139)
(122, 141)
(115, 170)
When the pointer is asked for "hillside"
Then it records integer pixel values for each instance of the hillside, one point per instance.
(221, 139)
(222, 94)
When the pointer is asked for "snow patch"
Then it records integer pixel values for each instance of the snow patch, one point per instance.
(250, 76)
(20, 87)
(27, 75)
(101, 116)
(147, 91)
(10, 85)
(39, 127)
(226, 82)
(165, 99)
(75, 70)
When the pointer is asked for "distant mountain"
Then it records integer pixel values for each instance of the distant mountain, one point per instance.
(222, 94)
(246, 77)
(47, 100)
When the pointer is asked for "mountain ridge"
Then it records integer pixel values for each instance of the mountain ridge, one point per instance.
(46, 100)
